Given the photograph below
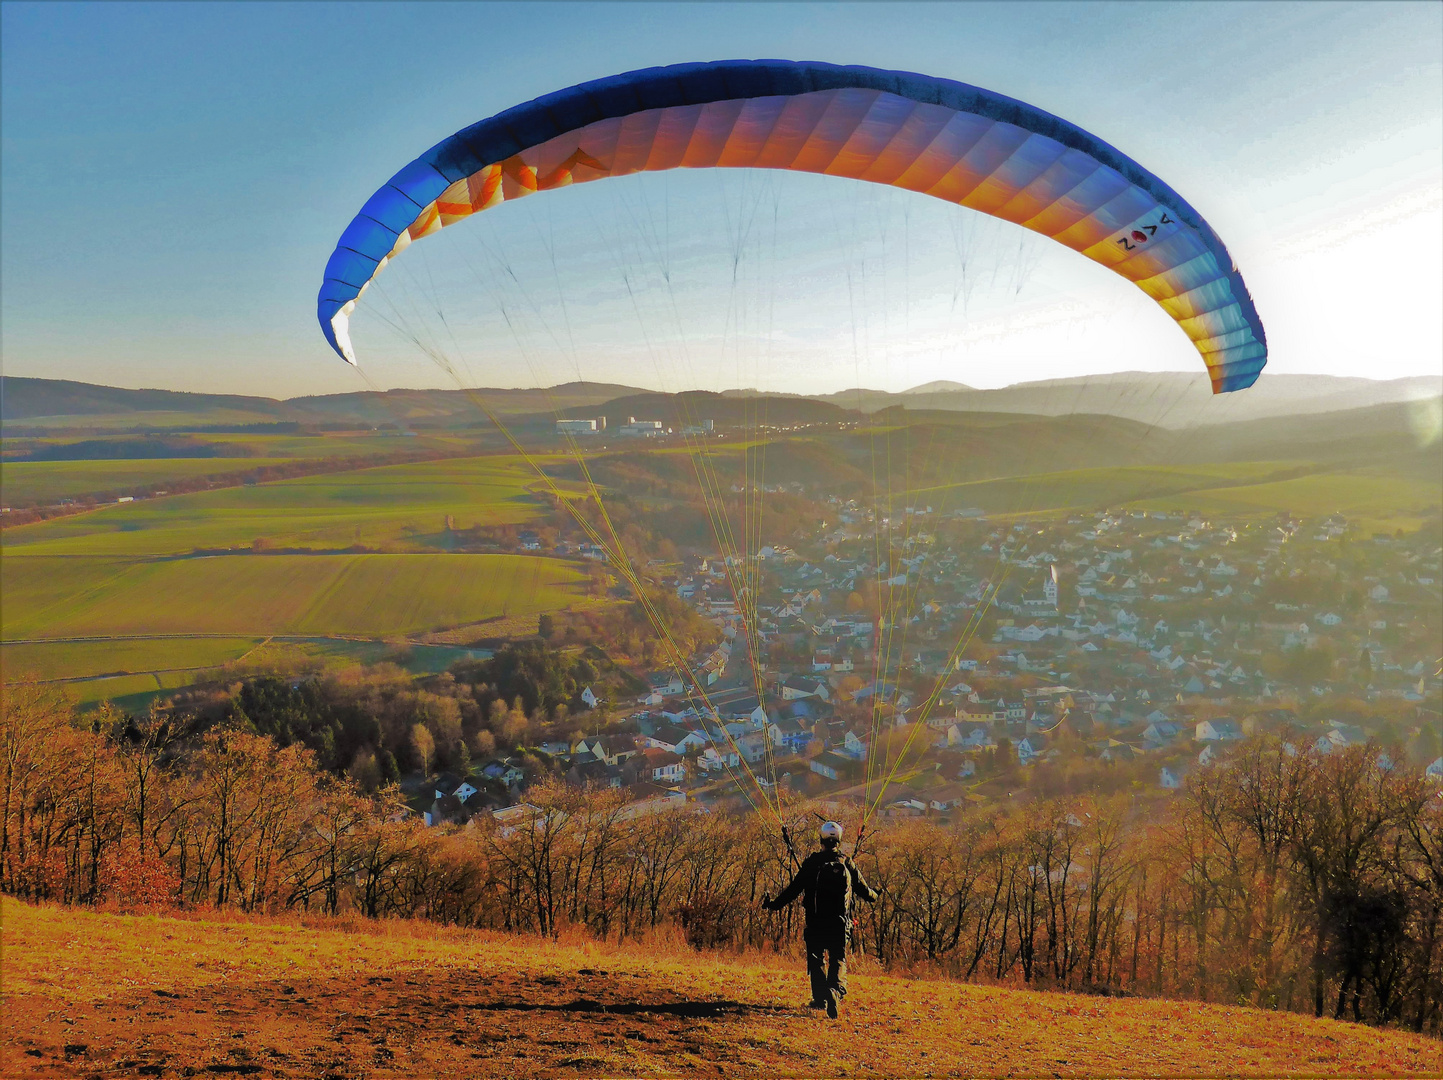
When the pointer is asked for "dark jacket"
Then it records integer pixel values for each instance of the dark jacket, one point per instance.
(805, 883)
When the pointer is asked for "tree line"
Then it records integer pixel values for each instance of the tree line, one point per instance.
(1283, 880)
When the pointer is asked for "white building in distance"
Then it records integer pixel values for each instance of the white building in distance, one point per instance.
(580, 427)
(645, 429)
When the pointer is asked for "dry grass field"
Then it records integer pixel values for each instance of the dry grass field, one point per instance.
(92, 994)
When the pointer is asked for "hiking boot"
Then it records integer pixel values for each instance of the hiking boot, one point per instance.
(817, 1004)
(831, 1006)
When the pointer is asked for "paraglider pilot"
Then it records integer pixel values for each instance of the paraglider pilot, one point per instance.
(828, 881)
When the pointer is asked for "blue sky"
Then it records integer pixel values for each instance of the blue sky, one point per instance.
(173, 178)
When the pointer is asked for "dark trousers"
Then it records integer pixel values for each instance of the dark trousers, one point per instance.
(827, 960)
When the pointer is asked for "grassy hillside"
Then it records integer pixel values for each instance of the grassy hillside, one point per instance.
(1375, 497)
(980, 447)
(90, 659)
(1111, 486)
(1015, 442)
(97, 993)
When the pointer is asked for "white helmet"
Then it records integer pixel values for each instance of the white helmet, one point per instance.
(832, 831)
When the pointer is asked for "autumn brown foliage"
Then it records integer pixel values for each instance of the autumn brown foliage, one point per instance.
(1283, 879)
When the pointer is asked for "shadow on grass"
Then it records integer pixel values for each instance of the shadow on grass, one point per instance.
(690, 1010)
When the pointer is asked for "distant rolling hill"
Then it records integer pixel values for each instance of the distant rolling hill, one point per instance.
(29, 399)
(456, 407)
(941, 447)
(906, 449)
(1391, 431)
(1371, 431)
(35, 405)
(939, 386)
(1167, 399)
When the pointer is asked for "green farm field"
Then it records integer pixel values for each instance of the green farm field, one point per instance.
(125, 668)
(258, 595)
(284, 652)
(30, 483)
(130, 668)
(133, 692)
(246, 445)
(332, 444)
(125, 574)
(392, 506)
(1105, 486)
(1373, 499)
(139, 420)
(1249, 487)
(91, 659)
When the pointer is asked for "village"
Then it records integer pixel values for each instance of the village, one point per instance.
(978, 660)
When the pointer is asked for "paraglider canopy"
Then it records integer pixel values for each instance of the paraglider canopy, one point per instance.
(942, 138)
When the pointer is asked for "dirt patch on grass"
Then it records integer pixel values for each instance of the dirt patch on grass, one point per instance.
(413, 1021)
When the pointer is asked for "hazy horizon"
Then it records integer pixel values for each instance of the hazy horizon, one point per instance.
(923, 388)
